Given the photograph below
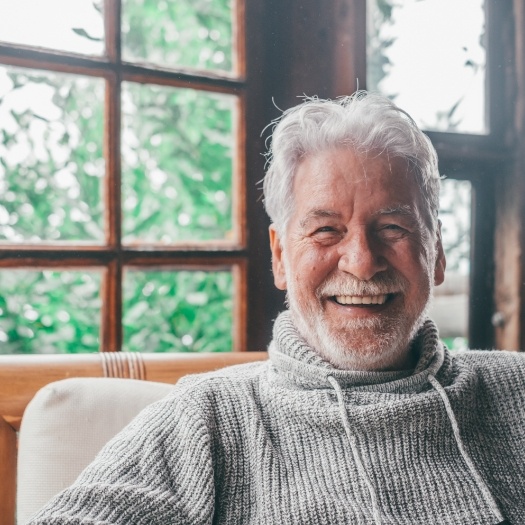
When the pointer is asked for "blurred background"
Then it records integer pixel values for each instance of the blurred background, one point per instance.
(131, 141)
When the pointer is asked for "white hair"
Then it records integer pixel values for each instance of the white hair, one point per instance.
(365, 122)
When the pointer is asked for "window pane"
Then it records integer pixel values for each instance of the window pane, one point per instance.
(75, 26)
(429, 56)
(179, 33)
(51, 159)
(182, 311)
(177, 148)
(46, 312)
(450, 306)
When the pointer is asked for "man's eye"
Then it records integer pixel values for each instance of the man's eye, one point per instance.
(393, 230)
(324, 229)
(325, 235)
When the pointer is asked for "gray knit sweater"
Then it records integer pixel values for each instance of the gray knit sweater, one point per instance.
(295, 441)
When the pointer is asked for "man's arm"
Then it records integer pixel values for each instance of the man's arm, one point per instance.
(157, 470)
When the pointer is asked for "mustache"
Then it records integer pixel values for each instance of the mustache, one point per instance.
(380, 284)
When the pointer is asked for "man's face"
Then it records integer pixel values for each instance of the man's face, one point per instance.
(357, 260)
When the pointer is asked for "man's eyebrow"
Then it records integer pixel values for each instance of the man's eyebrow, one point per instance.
(403, 209)
(318, 214)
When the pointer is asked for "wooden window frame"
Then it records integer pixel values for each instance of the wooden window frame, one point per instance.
(293, 48)
(248, 258)
(481, 160)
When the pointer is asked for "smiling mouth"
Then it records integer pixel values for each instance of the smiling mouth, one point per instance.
(361, 300)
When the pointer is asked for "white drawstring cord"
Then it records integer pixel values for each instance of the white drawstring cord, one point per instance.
(455, 430)
(466, 458)
(357, 457)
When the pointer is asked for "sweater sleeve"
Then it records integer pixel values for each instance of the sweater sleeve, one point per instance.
(158, 470)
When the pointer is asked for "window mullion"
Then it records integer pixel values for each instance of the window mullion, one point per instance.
(112, 11)
(111, 332)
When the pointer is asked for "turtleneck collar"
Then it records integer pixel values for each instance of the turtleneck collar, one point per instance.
(299, 363)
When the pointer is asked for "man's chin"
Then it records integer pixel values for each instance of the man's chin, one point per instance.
(365, 358)
(372, 344)
(365, 349)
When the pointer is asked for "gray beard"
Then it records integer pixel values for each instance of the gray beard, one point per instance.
(376, 343)
(362, 344)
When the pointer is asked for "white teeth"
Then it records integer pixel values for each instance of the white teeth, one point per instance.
(361, 299)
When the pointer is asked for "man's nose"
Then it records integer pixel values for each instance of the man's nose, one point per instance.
(359, 256)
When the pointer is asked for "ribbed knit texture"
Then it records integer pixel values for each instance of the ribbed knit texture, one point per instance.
(265, 443)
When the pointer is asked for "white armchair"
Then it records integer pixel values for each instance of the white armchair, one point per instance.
(67, 407)
(64, 427)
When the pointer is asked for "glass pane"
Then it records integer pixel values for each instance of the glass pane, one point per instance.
(51, 158)
(450, 305)
(74, 26)
(49, 312)
(177, 149)
(429, 56)
(179, 33)
(182, 311)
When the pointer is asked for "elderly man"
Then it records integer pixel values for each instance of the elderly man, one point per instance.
(361, 416)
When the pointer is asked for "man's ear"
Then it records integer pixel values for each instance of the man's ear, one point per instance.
(441, 261)
(279, 275)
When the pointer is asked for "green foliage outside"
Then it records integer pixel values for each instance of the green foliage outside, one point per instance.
(377, 61)
(456, 344)
(44, 312)
(179, 33)
(186, 311)
(177, 149)
(51, 160)
(381, 19)
(177, 164)
(454, 212)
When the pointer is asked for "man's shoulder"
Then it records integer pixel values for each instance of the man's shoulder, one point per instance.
(231, 377)
(198, 398)
(491, 358)
(496, 367)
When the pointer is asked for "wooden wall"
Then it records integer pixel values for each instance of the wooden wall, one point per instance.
(510, 201)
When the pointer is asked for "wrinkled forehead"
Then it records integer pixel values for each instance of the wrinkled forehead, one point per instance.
(339, 181)
(342, 171)
(350, 168)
